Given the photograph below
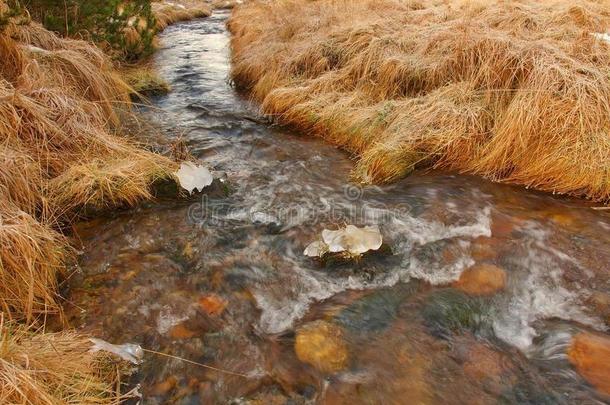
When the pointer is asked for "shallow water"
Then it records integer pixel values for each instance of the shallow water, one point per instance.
(222, 280)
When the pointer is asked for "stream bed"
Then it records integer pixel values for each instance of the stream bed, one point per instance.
(221, 279)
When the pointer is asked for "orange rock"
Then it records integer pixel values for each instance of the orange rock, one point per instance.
(484, 362)
(502, 227)
(563, 219)
(600, 303)
(481, 279)
(320, 344)
(212, 304)
(188, 251)
(483, 248)
(590, 355)
(181, 332)
(164, 387)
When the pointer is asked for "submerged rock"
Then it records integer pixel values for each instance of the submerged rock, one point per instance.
(481, 279)
(600, 303)
(180, 331)
(487, 366)
(164, 387)
(590, 355)
(320, 344)
(449, 311)
(212, 304)
(374, 312)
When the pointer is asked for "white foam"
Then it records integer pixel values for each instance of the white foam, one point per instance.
(279, 314)
(280, 311)
(423, 232)
(539, 294)
(442, 274)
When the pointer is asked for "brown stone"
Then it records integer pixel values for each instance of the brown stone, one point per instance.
(483, 363)
(188, 251)
(481, 279)
(320, 344)
(600, 303)
(590, 355)
(181, 332)
(484, 248)
(212, 304)
(164, 387)
(502, 227)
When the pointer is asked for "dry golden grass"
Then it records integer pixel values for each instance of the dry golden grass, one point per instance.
(516, 91)
(170, 12)
(144, 80)
(58, 152)
(31, 258)
(38, 368)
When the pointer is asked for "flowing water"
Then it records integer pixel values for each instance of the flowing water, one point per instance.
(221, 279)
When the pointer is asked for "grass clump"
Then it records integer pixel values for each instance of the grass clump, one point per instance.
(145, 81)
(40, 368)
(170, 12)
(515, 91)
(60, 152)
(59, 103)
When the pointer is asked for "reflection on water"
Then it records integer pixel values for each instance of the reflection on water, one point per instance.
(223, 280)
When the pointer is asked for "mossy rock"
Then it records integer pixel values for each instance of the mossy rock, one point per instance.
(376, 311)
(168, 188)
(447, 312)
(342, 259)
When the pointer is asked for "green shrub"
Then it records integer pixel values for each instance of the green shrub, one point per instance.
(9, 9)
(125, 29)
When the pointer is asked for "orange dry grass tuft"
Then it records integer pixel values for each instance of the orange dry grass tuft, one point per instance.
(53, 368)
(31, 258)
(515, 91)
(169, 12)
(58, 107)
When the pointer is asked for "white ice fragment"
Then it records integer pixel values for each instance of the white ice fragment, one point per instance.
(128, 351)
(353, 239)
(194, 177)
(604, 36)
(316, 249)
(350, 239)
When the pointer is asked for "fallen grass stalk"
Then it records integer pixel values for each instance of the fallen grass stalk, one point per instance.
(171, 356)
(515, 91)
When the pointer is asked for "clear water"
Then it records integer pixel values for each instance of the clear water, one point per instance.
(222, 280)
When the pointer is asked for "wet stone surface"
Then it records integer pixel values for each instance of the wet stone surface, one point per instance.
(221, 280)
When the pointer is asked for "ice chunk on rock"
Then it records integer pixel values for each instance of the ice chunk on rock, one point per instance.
(194, 177)
(351, 239)
(128, 351)
(316, 249)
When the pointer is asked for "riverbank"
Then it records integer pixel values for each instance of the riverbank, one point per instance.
(516, 92)
(486, 288)
(63, 156)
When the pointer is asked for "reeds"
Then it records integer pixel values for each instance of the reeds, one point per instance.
(516, 91)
